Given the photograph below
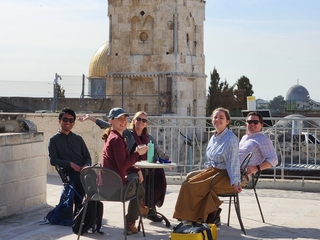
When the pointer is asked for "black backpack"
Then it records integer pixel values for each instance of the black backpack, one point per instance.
(93, 218)
(62, 213)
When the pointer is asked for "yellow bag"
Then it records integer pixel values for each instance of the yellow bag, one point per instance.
(194, 231)
(214, 231)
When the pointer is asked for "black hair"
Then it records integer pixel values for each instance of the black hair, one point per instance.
(67, 110)
(254, 113)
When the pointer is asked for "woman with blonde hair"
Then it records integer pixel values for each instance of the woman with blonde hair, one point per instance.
(137, 134)
(138, 128)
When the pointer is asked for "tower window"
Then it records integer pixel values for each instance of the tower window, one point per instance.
(143, 36)
(142, 13)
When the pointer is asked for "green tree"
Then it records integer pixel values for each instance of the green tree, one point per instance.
(214, 84)
(220, 94)
(277, 104)
(244, 83)
(215, 98)
(244, 89)
(60, 91)
(225, 87)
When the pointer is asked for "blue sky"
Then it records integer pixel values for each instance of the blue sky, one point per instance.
(275, 43)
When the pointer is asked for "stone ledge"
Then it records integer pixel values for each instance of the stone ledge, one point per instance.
(9, 139)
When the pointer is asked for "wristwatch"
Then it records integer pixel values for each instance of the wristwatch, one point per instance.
(258, 167)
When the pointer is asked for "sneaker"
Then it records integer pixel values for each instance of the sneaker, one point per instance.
(131, 228)
(144, 210)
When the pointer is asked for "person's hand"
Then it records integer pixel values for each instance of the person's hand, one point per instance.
(86, 165)
(75, 167)
(237, 187)
(84, 117)
(251, 170)
(140, 175)
(86, 170)
(142, 149)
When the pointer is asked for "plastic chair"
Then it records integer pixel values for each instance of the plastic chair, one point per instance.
(103, 184)
(234, 197)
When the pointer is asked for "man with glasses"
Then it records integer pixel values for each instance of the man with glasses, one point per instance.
(69, 151)
(263, 153)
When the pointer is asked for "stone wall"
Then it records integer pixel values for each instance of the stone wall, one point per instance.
(22, 172)
(29, 104)
(24, 161)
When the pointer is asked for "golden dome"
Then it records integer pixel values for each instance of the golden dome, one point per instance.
(98, 65)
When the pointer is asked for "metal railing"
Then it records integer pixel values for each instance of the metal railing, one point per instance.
(295, 139)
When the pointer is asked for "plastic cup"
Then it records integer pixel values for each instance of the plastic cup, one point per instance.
(141, 146)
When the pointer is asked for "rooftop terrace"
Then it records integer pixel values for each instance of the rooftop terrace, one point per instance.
(289, 214)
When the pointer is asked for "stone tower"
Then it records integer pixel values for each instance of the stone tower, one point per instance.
(154, 57)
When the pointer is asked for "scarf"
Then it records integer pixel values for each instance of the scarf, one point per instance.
(143, 139)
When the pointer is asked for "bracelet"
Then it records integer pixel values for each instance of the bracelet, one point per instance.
(258, 167)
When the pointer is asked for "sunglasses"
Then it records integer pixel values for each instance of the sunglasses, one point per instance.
(255, 122)
(70, 120)
(142, 119)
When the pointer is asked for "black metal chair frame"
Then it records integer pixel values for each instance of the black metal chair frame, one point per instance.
(254, 181)
(63, 176)
(96, 196)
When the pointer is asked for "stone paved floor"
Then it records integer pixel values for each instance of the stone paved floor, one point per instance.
(288, 215)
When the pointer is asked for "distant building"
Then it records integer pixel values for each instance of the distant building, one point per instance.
(298, 100)
(97, 72)
(262, 104)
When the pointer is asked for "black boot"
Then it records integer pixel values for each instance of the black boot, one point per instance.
(152, 215)
(214, 217)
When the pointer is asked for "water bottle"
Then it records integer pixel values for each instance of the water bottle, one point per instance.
(150, 153)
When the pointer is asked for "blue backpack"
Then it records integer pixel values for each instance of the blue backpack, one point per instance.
(63, 212)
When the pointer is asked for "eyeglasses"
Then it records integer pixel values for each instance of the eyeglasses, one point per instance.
(255, 122)
(142, 119)
(70, 120)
